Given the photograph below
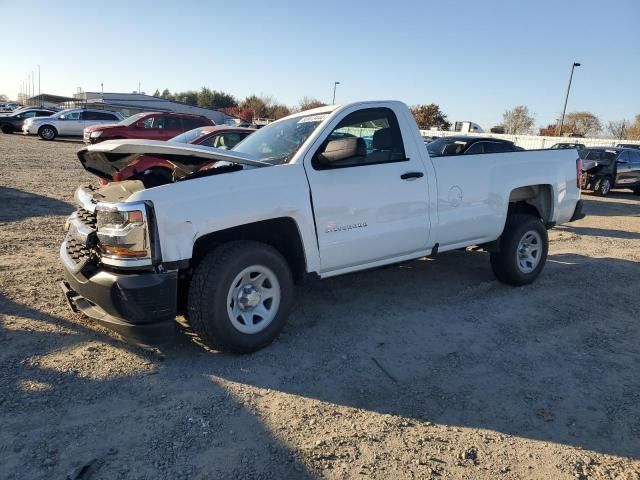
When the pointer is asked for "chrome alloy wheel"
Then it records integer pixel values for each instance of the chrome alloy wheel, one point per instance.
(253, 299)
(47, 133)
(529, 251)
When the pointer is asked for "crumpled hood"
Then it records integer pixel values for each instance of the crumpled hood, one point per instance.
(111, 156)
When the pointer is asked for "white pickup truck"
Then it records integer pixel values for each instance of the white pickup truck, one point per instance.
(323, 192)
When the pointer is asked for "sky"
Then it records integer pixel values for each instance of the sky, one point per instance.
(475, 59)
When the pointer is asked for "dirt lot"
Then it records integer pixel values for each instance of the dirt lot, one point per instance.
(430, 369)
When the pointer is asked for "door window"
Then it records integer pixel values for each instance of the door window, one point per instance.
(191, 123)
(378, 134)
(635, 158)
(478, 147)
(172, 123)
(623, 157)
(43, 113)
(71, 116)
(153, 122)
(497, 147)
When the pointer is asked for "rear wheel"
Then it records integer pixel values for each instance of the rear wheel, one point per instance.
(240, 296)
(7, 128)
(47, 132)
(524, 245)
(603, 186)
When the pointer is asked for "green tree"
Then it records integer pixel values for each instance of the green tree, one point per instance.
(156, 93)
(278, 111)
(430, 115)
(166, 94)
(190, 97)
(205, 97)
(223, 100)
(258, 105)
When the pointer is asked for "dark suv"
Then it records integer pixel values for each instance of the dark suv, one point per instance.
(461, 145)
(13, 122)
(606, 168)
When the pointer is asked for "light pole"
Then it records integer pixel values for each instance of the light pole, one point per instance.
(335, 84)
(564, 110)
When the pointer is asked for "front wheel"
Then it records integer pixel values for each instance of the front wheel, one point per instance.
(47, 132)
(240, 296)
(523, 250)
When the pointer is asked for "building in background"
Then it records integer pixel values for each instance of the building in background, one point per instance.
(131, 103)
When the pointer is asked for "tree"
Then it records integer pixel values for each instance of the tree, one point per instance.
(166, 94)
(278, 111)
(518, 121)
(633, 132)
(258, 105)
(619, 129)
(205, 97)
(190, 97)
(223, 100)
(156, 93)
(307, 103)
(430, 115)
(551, 130)
(3, 98)
(582, 123)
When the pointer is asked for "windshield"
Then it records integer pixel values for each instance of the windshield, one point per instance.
(597, 154)
(131, 120)
(190, 136)
(446, 146)
(279, 141)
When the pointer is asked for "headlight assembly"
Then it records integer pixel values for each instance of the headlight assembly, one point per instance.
(125, 234)
(96, 134)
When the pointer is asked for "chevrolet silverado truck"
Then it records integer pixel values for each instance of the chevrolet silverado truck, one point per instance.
(304, 196)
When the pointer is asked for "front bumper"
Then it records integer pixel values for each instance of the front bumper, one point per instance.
(139, 306)
(29, 129)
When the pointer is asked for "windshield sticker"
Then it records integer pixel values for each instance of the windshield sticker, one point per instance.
(313, 118)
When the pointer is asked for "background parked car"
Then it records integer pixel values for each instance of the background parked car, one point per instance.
(628, 145)
(13, 122)
(146, 125)
(156, 170)
(577, 146)
(69, 122)
(461, 145)
(605, 168)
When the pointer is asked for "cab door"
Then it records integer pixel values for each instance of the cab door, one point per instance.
(624, 172)
(373, 206)
(634, 167)
(71, 123)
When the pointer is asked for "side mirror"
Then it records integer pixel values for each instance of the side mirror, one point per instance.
(342, 149)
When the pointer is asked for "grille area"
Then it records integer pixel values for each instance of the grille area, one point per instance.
(87, 218)
(77, 250)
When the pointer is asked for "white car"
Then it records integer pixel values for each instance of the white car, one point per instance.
(71, 122)
(323, 192)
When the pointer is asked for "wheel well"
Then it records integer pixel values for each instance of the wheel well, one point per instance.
(281, 233)
(533, 200)
(47, 125)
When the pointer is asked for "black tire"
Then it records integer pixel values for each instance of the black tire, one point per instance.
(506, 263)
(211, 284)
(603, 186)
(47, 132)
(6, 128)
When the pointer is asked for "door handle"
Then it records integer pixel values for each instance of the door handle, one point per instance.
(411, 175)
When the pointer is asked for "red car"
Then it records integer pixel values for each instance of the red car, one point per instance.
(146, 126)
(154, 171)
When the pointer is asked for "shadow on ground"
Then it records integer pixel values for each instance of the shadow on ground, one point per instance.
(23, 205)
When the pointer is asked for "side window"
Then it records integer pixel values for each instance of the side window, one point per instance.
(623, 157)
(89, 115)
(635, 158)
(497, 147)
(172, 123)
(154, 122)
(72, 116)
(228, 140)
(104, 116)
(476, 148)
(366, 137)
(42, 113)
(29, 114)
(191, 123)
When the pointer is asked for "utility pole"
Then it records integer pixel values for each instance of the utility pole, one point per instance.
(39, 92)
(333, 102)
(566, 98)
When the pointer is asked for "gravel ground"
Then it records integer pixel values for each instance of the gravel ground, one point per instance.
(431, 369)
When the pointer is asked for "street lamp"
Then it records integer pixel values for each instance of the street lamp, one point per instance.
(335, 84)
(564, 110)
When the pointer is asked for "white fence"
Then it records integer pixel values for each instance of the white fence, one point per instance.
(532, 142)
